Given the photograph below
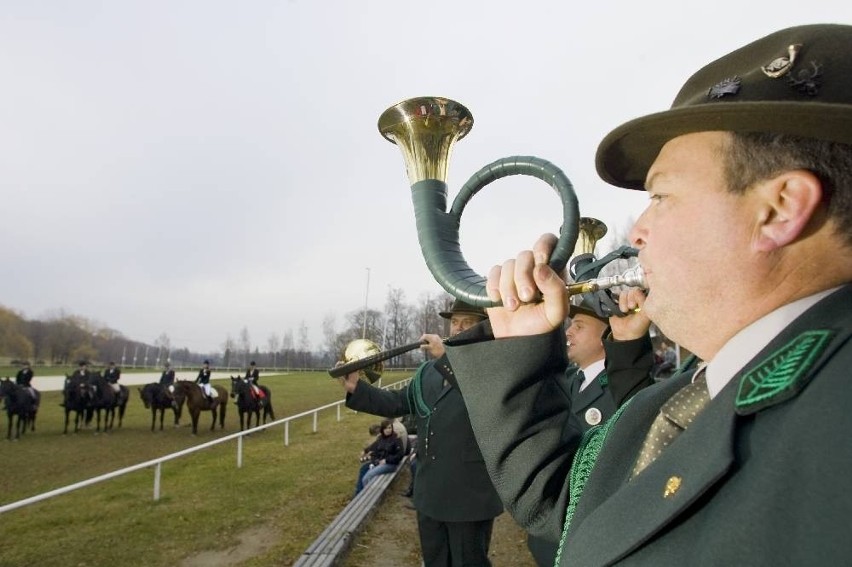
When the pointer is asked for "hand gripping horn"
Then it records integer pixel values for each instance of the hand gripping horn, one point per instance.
(425, 129)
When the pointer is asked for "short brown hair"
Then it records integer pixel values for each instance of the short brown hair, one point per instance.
(754, 156)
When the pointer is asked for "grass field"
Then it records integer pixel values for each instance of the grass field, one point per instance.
(206, 502)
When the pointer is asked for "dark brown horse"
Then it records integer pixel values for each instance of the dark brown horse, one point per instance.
(249, 404)
(196, 402)
(157, 397)
(76, 397)
(19, 402)
(104, 398)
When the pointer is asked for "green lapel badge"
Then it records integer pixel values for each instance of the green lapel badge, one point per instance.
(783, 374)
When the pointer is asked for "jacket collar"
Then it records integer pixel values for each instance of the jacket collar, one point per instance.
(701, 455)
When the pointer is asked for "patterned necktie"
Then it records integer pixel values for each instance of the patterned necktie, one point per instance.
(674, 417)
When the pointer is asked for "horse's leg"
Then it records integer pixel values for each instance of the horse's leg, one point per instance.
(195, 413)
(213, 423)
(222, 409)
(162, 416)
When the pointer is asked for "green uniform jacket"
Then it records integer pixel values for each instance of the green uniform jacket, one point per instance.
(452, 484)
(631, 363)
(761, 477)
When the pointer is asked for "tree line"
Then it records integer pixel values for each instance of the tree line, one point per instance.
(63, 339)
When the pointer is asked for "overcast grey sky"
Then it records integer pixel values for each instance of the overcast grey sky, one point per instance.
(196, 167)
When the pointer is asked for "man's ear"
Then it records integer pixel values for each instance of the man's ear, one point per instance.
(788, 203)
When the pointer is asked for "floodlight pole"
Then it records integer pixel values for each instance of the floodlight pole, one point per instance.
(366, 298)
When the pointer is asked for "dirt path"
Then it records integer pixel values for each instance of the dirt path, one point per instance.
(391, 540)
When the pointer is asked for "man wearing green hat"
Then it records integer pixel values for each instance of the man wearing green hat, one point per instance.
(455, 501)
(747, 250)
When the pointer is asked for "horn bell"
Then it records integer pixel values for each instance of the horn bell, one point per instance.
(363, 348)
(425, 129)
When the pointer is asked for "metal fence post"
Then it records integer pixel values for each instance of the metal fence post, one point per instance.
(157, 472)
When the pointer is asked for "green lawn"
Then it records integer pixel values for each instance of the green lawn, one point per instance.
(206, 501)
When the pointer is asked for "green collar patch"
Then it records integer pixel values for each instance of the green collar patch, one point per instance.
(603, 379)
(783, 374)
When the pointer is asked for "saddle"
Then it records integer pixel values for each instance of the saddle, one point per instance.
(214, 394)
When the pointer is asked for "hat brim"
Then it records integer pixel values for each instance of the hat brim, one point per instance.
(575, 310)
(449, 314)
(625, 155)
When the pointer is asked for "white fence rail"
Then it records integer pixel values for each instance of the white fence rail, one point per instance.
(158, 462)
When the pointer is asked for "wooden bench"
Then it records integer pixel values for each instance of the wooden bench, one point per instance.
(334, 542)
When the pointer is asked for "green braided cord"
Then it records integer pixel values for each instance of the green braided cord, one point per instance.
(415, 394)
(415, 397)
(584, 461)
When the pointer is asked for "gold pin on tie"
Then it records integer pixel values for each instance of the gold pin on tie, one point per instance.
(672, 486)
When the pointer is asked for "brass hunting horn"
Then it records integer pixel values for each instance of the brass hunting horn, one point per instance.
(425, 129)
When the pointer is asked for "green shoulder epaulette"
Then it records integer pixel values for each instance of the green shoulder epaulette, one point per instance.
(783, 374)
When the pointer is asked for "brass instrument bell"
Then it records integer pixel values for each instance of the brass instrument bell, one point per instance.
(590, 231)
(364, 348)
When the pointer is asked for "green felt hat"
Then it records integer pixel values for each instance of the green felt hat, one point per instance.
(796, 81)
(459, 307)
(584, 307)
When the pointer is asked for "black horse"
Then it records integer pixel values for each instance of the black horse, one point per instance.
(196, 402)
(249, 404)
(157, 397)
(76, 396)
(20, 403)
(104, 398)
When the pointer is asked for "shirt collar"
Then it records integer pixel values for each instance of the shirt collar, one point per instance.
(591, 372)
(743, 346)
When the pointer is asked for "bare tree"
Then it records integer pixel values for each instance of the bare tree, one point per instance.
(374, 326)
(164, 346)
(287, 346)
(427, 318)
(245, 345)
(273, 343)
(304, 343)
(399, 323)
(329, 333)
(229, 348)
